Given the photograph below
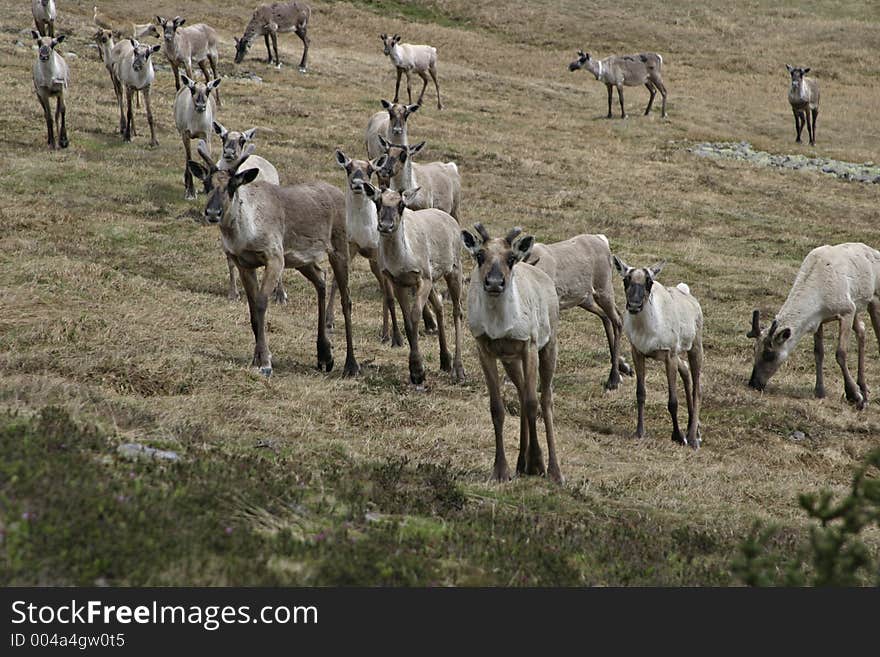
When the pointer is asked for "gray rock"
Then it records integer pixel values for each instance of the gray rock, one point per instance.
(137, 452)
(797, 435)
(70, 55)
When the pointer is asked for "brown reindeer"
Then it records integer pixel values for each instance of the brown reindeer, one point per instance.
(626, 70)
(266, 225)
(803, 96)
(513, 313)
(268, 21)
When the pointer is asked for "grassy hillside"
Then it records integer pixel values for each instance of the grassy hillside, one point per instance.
(114, 327)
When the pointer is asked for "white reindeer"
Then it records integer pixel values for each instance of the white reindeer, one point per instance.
(407, 58)
(194, 109)
(834, 283)
(664, 323)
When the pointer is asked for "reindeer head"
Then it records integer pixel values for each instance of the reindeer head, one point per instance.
(797, 75)
(46, 44)
(389, 206)
(233, 142)
(169, 26)
(358, 172)
(398, 114)
(102, 37)
(637, 283)
(582, 58)
(771, 349)
(241, 47)
(141, 55)
(388, 42)
(220, 185)
(200, 92)
(395, 157)
(496, 258)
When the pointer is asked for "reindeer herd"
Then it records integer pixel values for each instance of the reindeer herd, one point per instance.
(408, 227)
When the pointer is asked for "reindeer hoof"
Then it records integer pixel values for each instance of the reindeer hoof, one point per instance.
(535, 466)
(302, 69)
(351, 368)
(556, 476)
(501, 472)
(233, 296)
(819, 393)
(678, 437)
(396, 341)
(281, 297)
(266, 370)
(611, 384)
(445, 363)
(458, 374)
(190, 196)
(154, 143)
(624, 368)
(64, 143)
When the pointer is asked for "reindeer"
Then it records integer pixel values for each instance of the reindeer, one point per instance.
(417, 249)
(44, 16)
(513, 314)
(183, 46)
(133, 73)
(51, 79)
(233, 143)
(269, 20)
(834, 283)
(626, 70)
(363, 238)
(390, 124)
(663, 323)
(581, 269)
(408, 58)
(265, 225)
(194, 117)
(803, 96)
(439, 183)
(104, 40)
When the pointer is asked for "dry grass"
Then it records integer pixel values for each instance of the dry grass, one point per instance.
(112, 298)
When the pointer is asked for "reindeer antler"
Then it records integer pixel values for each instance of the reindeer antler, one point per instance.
(512, 235)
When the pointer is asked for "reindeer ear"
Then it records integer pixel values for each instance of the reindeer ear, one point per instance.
(382, 36)
(622, 268)
(522, 248)
(379, 162)
(197, 170)
(213, 84)
(62, 37)
(249, 134)
(383, 142)
(780, 337)
(155, 48)
(471, 243)
(396, 38)
(806, 70)
(409, 196)
(372, 192)
(178, 21)
(187, 82)
(415, 149)
(220, 130)
(242, 178)
(35, 34)
(342, 159)
(386, 104)
(412, 108)
(789, 67)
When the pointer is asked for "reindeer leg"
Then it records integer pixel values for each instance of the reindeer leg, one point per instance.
(232, 292)
(303, 33)
(685, 374)
(500, 471)
(547, 367)
(315, 275)
(416, 366)
(653, 92)
(148, 103)
(339, 261)
(798, 126)
(590, 304)
(515, 374)
(695, 360)
(175, 68)
(445, 356)
(815, 116)
(610, 95)
(658, 83)
(433, 71)
(257, 304)
(819, 354)
(852, 394)
(620, 97)
(275, 48)
(859, 328)
(408, 87)
(809, 121)
(397, 86)
(189, 188)
(534, 458)
(203, 66)
(453, 284)
(268, 48)
(128, 132)
(424, 77)
(671, 362)
(874, 314)
(47, 113)
(639, 364)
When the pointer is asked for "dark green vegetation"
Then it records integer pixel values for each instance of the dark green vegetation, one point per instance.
(114, 327)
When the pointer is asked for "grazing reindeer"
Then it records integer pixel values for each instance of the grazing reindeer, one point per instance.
(408, 58)
(268, 21)
(417, 249)
(265, 225)
(803, 96)
(834, 283)
(233, 144)
(51, 79)
(141, 30)
(185, 45)
(581, 269)
(194, 117)
(626, 70)
(363, 238)
(101, 20)
(133, 73)
(390, 124)
(513, 314)
(44, 16)
(662, 323)
(439, 183)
